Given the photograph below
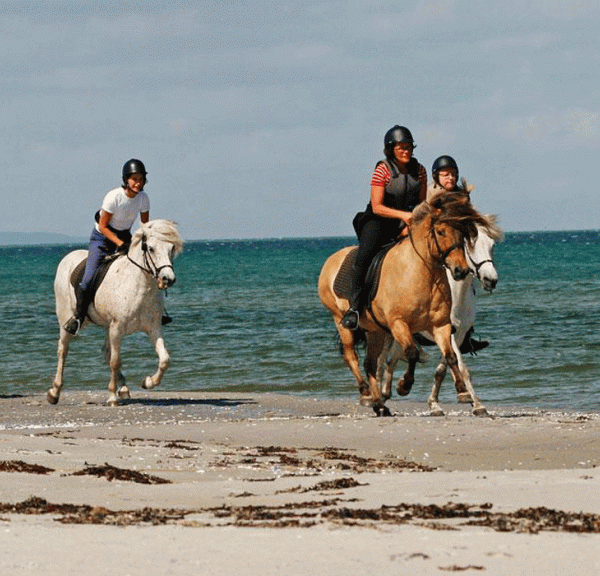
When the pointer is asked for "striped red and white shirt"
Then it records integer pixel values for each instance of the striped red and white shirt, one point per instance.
(382, 176)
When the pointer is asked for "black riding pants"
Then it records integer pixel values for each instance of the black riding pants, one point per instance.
(374, 234)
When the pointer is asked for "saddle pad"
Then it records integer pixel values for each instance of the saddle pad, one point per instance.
(79, 270)
(342, 285)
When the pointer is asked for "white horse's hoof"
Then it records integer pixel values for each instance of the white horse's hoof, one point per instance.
(147, 384)
(480, 411)
(437, 412)
(52, 399)
(123, 393)
(112, 402)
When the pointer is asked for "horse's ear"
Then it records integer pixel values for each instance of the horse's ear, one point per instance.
(144, 245)
(468, 188)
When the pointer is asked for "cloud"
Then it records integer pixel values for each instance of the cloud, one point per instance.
(554, 131)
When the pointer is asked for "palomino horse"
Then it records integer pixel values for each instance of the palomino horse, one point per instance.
(413, 294)
(480, 258)
(130, 299)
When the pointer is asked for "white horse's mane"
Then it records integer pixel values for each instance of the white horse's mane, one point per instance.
(493, 229)
(162, 229)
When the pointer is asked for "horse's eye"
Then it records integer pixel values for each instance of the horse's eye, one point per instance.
(441, 232)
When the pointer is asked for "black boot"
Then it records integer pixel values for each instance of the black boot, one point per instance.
(83, 302)
(351, 318)
(472, 346)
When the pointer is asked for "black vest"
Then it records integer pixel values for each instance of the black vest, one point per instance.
(403, 191)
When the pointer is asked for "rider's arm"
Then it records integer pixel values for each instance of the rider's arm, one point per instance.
(377, 194)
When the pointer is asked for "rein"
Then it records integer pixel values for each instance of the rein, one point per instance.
(149, 266)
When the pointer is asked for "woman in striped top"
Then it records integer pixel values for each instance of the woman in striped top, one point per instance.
(398, 184)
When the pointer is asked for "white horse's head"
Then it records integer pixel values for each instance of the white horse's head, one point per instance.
(481, 254)
(159, 243)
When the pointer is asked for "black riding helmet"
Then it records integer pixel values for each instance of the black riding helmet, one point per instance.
(133, 166)
(441, 163)
(395, 135)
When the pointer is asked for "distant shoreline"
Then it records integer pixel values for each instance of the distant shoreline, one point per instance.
(8, 239)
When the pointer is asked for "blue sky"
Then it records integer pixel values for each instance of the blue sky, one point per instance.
(266, 118)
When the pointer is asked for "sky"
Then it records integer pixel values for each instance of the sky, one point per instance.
(265, 119)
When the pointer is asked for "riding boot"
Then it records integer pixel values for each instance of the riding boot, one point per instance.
(352, 316)
(84, 300)
(471, 345)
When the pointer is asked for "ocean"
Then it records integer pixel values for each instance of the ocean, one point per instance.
(247, 318)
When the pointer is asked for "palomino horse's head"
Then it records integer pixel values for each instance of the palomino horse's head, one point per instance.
(159, 243)
(452, 223)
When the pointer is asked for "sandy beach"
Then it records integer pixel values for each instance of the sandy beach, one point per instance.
(194, 483)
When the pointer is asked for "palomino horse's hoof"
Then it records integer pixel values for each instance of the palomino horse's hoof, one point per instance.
(382, 411)
(112, 402)
(437, 412)
(367, 401)
(464, 398)
(403, 389)
(123, 393)
(52, 399)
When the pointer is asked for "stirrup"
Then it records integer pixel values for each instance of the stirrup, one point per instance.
(350, 319)
(72, 326)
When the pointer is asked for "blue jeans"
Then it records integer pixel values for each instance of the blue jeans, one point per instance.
(100, 246)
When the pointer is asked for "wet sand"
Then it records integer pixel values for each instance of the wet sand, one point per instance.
(194, 483)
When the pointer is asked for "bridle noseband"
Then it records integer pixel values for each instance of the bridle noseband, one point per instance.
(149, 266)
(443, 254)
(477, 265)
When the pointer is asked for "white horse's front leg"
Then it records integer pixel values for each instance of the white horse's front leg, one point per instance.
(115, 336)
(63, 349)
(123, 390)
(469, 395)
(164, 360)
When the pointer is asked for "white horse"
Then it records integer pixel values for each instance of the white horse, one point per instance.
(130, 299)
(480, 257)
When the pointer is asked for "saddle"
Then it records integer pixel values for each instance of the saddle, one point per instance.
(79, 270)
(342, 285)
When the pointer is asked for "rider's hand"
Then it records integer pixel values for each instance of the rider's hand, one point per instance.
(123, 248)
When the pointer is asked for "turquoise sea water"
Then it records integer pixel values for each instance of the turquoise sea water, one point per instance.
(247, 318)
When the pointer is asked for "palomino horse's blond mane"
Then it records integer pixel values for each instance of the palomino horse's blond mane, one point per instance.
(458, 212)
(453, 209)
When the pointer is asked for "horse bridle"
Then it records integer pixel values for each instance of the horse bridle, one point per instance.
(149, 266)
(477, 265)
(442, 255)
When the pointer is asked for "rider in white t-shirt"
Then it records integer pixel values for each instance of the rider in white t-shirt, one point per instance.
(112, 231)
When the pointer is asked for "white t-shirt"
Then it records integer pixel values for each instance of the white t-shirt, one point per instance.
(124, 210)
